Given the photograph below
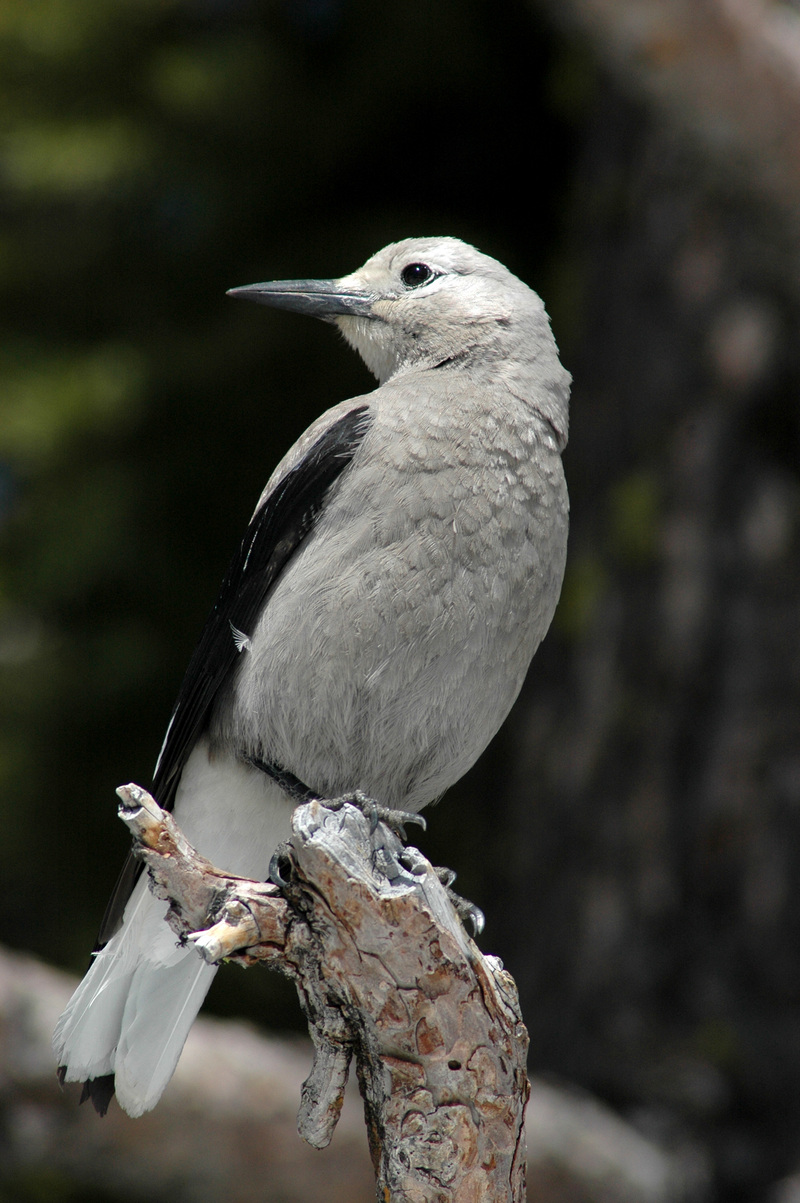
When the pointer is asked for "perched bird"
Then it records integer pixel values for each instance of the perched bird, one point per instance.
(375, 625)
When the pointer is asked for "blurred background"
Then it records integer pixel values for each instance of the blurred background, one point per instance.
(633, 834)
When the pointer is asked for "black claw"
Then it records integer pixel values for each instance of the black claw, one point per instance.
(388, 861)
(467, 911)
(387, 864)
(396, 820)
(374, 813)
(476, 918)
(280, 862)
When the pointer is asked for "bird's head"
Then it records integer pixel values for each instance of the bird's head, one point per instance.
(436, 303)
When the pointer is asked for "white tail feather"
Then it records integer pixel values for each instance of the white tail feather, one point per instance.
(161, 1008)
(132, 1012)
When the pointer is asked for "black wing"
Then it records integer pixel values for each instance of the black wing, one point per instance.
(275, 533)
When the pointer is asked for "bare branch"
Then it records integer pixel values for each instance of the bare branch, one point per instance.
(225, 1126)
(385, 972)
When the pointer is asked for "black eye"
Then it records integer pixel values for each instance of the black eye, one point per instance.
(416, 274)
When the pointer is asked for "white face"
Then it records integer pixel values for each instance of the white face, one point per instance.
(428, 295)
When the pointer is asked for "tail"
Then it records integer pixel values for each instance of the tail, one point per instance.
(126, 1024)
(131, 1014)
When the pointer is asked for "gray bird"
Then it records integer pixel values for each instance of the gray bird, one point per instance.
(375, 626)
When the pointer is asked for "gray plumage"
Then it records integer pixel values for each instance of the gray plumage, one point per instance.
(399, 625)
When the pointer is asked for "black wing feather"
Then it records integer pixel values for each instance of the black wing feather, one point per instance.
(275, 533)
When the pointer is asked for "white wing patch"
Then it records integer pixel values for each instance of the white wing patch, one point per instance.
(241, 640)
(166, 737)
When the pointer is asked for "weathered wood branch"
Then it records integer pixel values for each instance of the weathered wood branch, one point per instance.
(225, 1128)
(386, 973)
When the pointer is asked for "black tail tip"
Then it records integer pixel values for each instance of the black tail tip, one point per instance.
(99, 1090)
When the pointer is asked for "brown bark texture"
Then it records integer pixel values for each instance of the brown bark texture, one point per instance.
(226, 1126)
(385, 973)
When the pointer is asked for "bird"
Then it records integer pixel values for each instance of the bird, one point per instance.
(376, 622)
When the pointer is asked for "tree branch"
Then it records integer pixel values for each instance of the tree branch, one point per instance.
(385, 972)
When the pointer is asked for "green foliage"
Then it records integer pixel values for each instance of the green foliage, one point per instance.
(52, 400)
(634, 511)
(585, 584)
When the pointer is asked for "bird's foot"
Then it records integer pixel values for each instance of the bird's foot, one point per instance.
(390, 860)
(387, 836)
(467, 911)
(395, 820)
(389, 856)
(280, 867)
(387, 831)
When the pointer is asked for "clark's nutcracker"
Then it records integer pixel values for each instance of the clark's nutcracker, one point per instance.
(375, 626)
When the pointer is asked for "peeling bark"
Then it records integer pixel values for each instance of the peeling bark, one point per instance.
(386, 973)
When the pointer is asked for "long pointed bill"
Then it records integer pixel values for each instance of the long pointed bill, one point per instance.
(327, 299)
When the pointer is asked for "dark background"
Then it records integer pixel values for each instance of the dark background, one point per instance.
(632, 833)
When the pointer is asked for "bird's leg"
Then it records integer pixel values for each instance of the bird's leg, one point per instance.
(299, 792)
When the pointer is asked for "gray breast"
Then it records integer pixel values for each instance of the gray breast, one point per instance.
(398, 638)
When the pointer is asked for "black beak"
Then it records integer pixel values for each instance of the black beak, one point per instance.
(320, 298)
